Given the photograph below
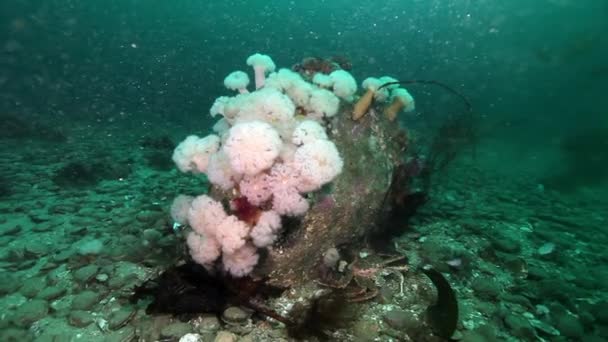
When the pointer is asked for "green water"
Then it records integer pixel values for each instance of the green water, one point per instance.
(94, 95)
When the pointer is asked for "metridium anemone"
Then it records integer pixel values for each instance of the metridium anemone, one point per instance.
(402, 100)
(252, 147)
(344, 84)
(192, 154)
(371, 84)
(237, 80)
(322, 80)
(261, 64)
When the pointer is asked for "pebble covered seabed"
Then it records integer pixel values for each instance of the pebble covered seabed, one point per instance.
(527, 263)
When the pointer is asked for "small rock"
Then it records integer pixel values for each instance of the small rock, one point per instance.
(516, 299)
(14, 334)
(400, 319)
(365, 331)
(39, 218)
(544, 329)
(569, 326)
(30, 312)
(546, 248)
(86, 273)
(176, 330)
(146, 216)
(120, 318)
(520, 327)
(537, 273)
(102, 277)
(90, 247)
(505, 244)
(62, 209)
(52, 293)
(126, 334)
(37, 249)
(32, 287)
(225, 336)
(191, 338)
(85, 300)
(8, 283)
(80, 318)
(152, 235)
(43, 227)
(485, 288)
(600, 312)
(235, 315)
(209, 323)
(10, 230)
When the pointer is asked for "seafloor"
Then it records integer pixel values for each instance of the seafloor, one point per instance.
(83, 221)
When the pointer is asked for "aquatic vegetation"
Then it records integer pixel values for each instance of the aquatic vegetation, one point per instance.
(155, 150)
(17, 127)
(76, 174)
(5, 187)
(443, 315)
(456, 134)
(290, 211)
(84, 173)
(584, 160)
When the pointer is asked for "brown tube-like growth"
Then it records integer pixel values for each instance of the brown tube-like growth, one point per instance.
(396, 106)
(402, 100)
(363, 104)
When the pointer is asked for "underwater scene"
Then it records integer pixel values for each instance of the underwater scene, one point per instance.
(344, 170)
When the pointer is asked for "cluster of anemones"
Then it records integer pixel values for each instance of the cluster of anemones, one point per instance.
(269, 149)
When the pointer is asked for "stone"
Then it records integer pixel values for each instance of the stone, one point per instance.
(102, 277)
(120, 318)
(30, 312)
(520, 327)
(485, 288)
(191, 338)
(600, 312)
(147, 216)
(176, 330)
(37, 248)
(516, 299)
(85, 300)
(86, 273)
(126, 334)
(32, 287)
(365, 331)
(569, 326)
(505, 244)
(236, 315)
(152, 235)
(8, 283)
(209, 323)
(10, 230)
(400, 319)
(52, 293)
(225, 336)
(14, 334)
(80, 318)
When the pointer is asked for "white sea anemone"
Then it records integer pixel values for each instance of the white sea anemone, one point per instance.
(252, 147)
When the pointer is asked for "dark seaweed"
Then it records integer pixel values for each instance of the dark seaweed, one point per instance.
(328, 312)
(79, 174)
(443, 315)
(157, 151)
(185, 289)
(400, 203)
(189, 289)
(584, 160)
